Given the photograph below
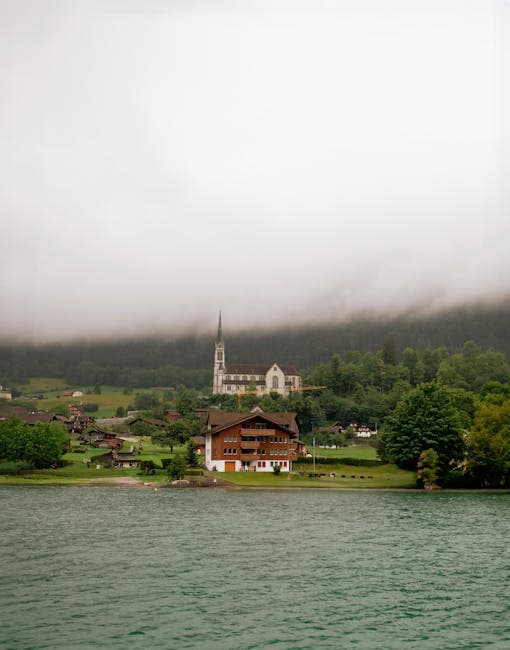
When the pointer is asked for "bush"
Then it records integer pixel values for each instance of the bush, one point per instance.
(165, 462)
(90, 407)
(14, 468)
(276, 469)
(149, 466)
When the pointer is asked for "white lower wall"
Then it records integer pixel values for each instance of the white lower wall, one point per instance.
(268, 467)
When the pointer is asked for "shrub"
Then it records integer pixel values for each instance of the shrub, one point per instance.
(14, 467)
(276, 469)
(90, 407)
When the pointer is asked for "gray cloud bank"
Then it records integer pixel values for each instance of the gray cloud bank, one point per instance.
(287, 161)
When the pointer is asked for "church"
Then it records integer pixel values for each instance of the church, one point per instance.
(234, 378)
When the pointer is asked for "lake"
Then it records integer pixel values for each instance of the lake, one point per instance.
(232, 569)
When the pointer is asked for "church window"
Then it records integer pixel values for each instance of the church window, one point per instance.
(245, 378)
(275, 381)
(220, 355)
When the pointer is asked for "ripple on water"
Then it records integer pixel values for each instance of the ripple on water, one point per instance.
(218, 569)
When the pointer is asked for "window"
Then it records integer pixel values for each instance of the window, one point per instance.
(275, 381)
(220, 355)
(230, 438)
(245, 378)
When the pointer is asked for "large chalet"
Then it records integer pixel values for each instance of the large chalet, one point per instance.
(255, 441)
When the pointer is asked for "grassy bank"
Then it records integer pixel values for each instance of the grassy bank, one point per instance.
(346, 476)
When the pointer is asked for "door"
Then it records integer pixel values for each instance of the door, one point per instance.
(230, 465)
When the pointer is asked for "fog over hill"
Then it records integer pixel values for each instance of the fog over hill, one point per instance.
(291, 161)
(188, 359)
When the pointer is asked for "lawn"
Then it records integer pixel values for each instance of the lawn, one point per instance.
(366, 452)
(383, 476)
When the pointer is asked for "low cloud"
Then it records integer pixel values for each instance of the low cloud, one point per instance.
(288, 162)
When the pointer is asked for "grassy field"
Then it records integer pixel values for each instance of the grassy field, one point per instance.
(383, 476)
(365, 452)
(108, 401)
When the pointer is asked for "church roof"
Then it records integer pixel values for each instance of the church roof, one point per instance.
(256, 369)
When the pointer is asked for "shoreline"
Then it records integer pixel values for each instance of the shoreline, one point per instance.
(131, 482)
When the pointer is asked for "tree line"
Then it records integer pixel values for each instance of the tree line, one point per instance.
(446, 415)
(188, 359)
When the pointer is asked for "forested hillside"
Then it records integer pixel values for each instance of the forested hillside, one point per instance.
(188, 360)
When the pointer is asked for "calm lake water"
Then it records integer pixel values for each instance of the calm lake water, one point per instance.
(134, 568)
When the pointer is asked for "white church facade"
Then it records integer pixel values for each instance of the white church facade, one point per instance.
(234, 378)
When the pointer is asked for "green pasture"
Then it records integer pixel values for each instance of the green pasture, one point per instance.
(108, 401)
(383, 476)
(364, 452)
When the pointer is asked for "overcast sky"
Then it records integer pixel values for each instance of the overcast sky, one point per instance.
(283, 160)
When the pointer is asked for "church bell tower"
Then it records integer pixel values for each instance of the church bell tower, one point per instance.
(219, 360)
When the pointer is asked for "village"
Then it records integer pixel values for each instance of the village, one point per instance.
(224, 441)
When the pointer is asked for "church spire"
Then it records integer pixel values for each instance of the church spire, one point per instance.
(219, 336)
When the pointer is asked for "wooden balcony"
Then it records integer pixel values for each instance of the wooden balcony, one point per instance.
(250, 444)
(258, 432)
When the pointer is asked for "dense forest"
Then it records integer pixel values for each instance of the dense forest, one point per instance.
(188, 360)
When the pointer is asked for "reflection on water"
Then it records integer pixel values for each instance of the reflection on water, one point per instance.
(117, 568)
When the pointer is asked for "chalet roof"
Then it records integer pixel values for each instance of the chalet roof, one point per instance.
(29, 417)
(257, 368)
(219, 420)
(152, 421)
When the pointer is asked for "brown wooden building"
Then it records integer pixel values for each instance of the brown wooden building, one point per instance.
(256, 441)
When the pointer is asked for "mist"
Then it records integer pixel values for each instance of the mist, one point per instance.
(287, 162)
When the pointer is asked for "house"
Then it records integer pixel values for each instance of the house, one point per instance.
(235, 378)
(200, 443)
(28, 416)
(362, 430)
(125, 460)
(153, 422)
(255, 441)
(97, 437)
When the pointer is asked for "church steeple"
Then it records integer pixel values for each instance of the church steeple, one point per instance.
(219, 335)
(219, 360)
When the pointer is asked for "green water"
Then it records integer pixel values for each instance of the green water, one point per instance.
(213, 569)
